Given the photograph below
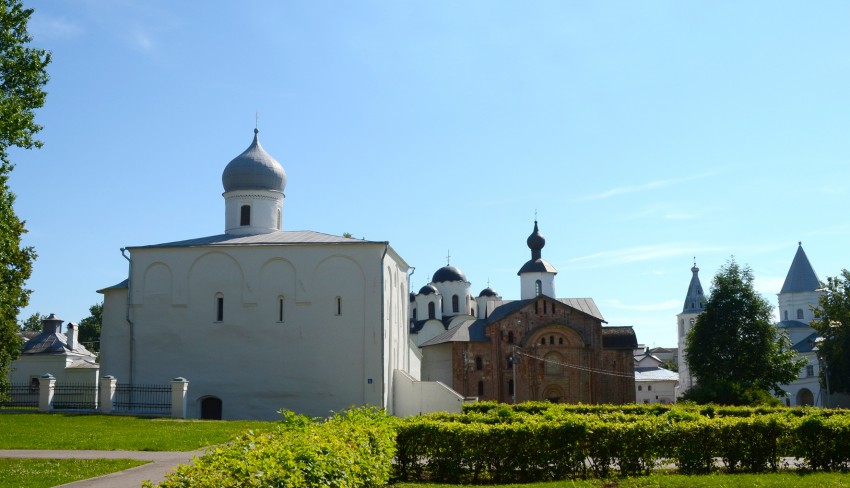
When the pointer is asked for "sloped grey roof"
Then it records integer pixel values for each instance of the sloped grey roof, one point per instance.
(118, 286)
(792, 324)
(277, 238)
(801, 276)
(460, 333)
(254, 169)
(537, 266)
(476, 329)
(695, 299)
(586, 305)
(807, 344)
(52, 343)
(656, 374)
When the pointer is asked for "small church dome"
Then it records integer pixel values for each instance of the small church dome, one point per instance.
(448, 273)
(428, 290)
(488, 292)
(536, 241)
(254, 169)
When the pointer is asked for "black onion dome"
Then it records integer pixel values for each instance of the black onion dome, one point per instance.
(488, 292)
(428, 290)
(536, 241)
(448, 273)
(254, 169)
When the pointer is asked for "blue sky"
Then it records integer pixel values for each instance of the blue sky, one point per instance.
(643, 134)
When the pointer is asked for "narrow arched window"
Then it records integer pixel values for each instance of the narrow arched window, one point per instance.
(280, 308)
(245, 215)
(414, 314)
(560, 341)
(799, 314)
(786, 315)
(219, 307)
(538, 288)
(510, 362)
(551, 340)
(510, 337)
(510, 387)
(544, 307)
(338, 305)
(432, 310)
(542, 341)
(472, 311)
(279, 218)
(479, 363)
(455, 304)
(480, 388)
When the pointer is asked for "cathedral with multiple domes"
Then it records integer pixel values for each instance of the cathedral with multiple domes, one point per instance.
(538, 347)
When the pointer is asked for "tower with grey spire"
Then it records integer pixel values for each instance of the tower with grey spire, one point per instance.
(799, 295)
(694, 305)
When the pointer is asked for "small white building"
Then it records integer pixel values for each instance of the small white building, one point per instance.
(52, 352)
(260, 319)
(656, 385)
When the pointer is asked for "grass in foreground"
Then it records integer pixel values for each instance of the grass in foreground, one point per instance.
(43, 473)
(111, 433)
(661, 480)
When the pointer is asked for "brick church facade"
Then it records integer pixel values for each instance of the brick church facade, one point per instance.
(535, 348)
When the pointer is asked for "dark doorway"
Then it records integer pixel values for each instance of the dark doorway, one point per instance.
(211, 408)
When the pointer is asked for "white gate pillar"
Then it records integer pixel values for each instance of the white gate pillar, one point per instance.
(179, 387)
(45, 392)
(107, 394)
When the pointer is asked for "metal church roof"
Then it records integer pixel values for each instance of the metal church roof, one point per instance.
(695, 299)
(268, 239)
(801, 277)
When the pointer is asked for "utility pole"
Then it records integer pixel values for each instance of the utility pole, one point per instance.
(514, 359)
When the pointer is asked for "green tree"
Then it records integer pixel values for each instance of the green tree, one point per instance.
(832, 323)
(33, 322)
(733, 350)
(90, 328)
(22, 78)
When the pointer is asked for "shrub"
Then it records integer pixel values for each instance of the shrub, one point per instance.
(351, 449)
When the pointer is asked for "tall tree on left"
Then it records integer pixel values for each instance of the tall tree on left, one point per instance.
(23, 75)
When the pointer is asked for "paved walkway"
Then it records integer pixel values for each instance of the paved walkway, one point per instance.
(155, 471)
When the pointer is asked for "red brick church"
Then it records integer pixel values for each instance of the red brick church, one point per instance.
(536, 348)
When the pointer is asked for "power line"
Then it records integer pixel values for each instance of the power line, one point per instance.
(577, 366)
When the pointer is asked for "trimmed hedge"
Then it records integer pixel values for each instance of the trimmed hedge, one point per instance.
(498, 443)
(351, 449)
(540, 441)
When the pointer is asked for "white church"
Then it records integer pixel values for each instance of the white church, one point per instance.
(797, 299)
(260, 319)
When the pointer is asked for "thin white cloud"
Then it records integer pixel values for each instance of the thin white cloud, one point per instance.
(649, 307)
(43, 27)
(652, 185)
(142, 41)
(638, 254)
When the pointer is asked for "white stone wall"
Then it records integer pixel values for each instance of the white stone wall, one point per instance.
(527, 284)
(686, 381)
(660, 391)
(323, 356)
(418, 397)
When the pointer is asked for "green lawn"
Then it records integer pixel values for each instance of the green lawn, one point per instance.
(43, 473)
(777, 480)
(114, 433)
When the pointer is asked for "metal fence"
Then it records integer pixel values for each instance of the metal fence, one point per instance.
(75, 396)
(151, 399)
(22, 395)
